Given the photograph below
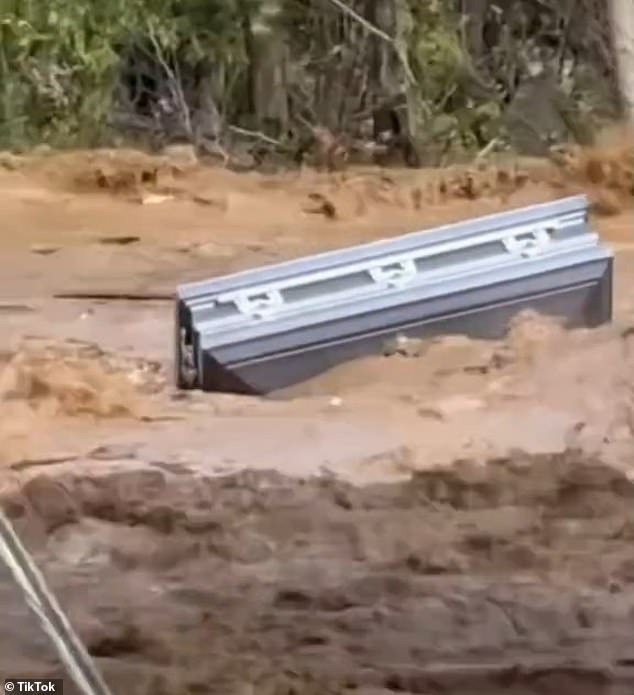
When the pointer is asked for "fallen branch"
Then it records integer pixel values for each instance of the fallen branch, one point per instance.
(488, 148)
(117, 296)
(47, 461)
(16, 308)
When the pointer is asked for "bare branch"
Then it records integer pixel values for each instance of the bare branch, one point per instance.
(363, 21)
(255, 134)
(174, 83)
(368, 26)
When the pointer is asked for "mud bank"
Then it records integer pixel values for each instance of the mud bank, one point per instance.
(514, 577)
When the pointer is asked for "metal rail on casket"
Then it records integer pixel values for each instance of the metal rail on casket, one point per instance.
(265, 329)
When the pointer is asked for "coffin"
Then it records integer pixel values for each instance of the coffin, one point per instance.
(266, 329)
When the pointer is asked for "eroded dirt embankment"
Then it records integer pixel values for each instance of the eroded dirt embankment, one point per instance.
(516, 577)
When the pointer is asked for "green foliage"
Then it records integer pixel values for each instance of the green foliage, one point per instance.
(443, 69)
(437, 56)
(59, 59)
(60, 62)
(57, 64)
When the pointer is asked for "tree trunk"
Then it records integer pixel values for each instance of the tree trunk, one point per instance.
(622, 16)
(475, 11)
(268, 62)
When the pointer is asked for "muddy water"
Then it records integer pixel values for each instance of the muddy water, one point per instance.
(511, 578)
(503, 571)
(514, 577)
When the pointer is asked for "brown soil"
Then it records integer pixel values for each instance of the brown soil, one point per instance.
(515, 577)
(453, 520)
